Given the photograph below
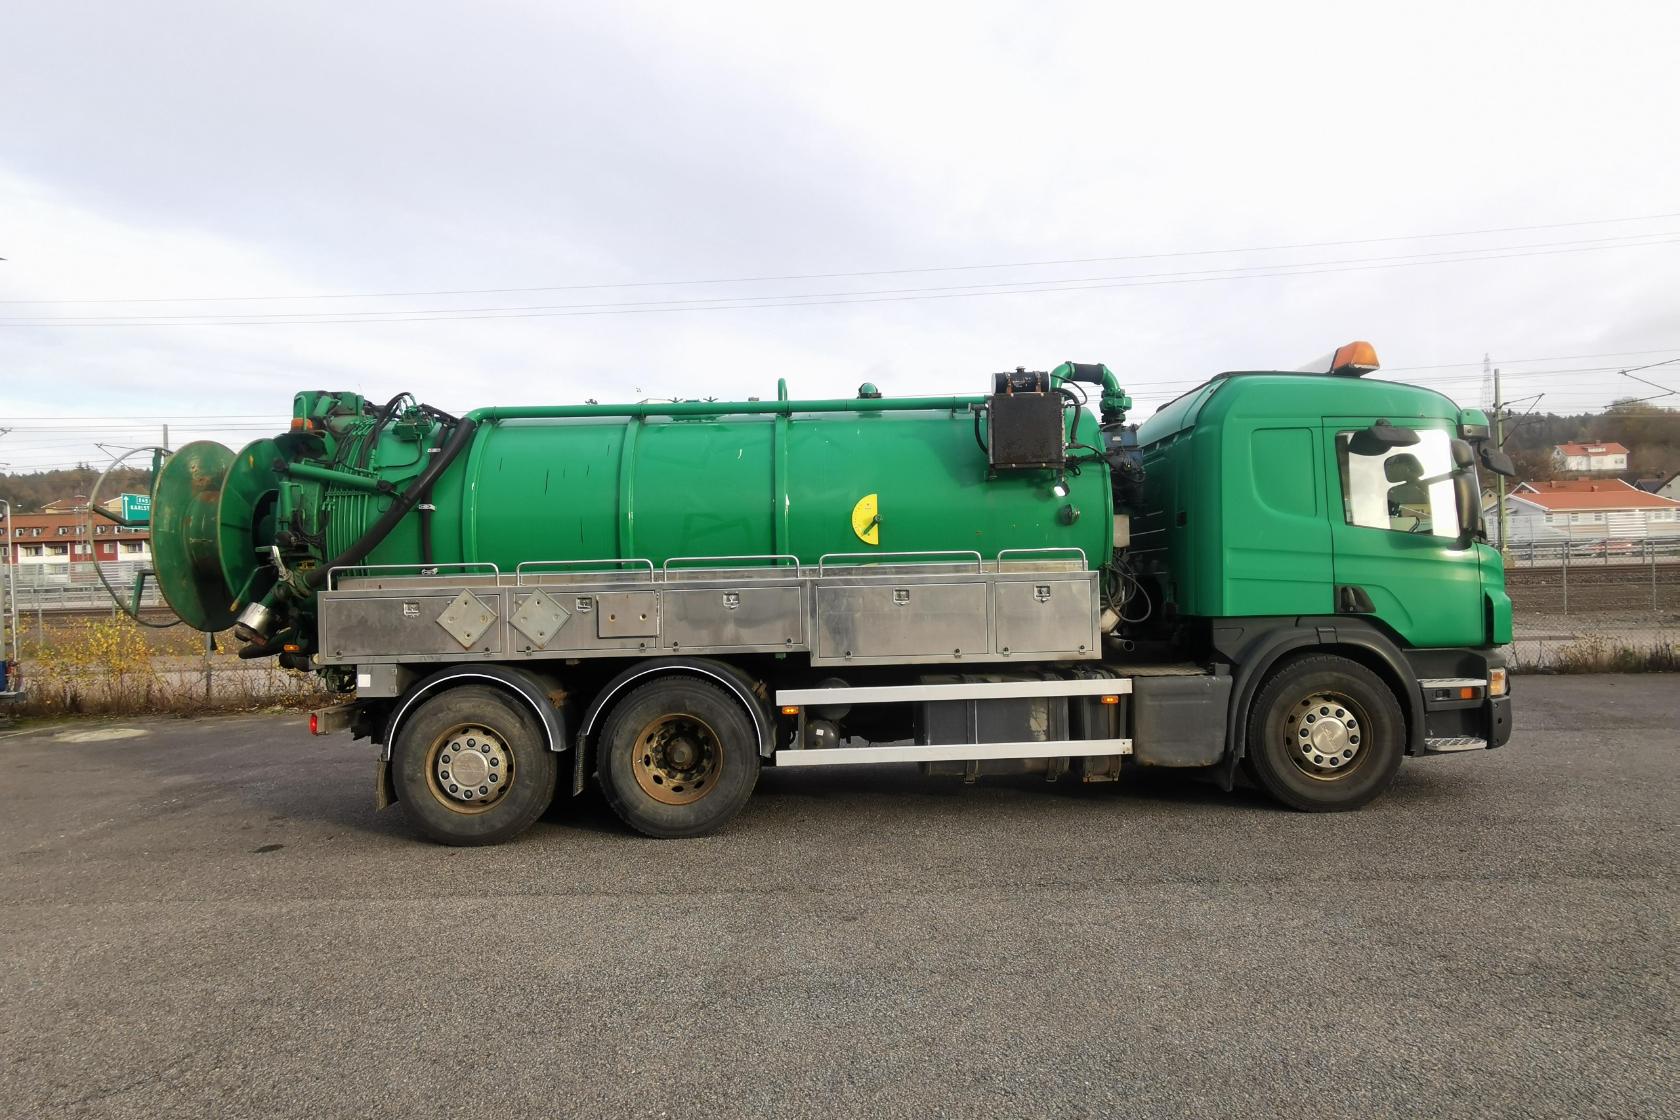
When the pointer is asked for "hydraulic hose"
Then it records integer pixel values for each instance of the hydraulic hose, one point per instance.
(406, 501)
(427, 509)
(1078, 403)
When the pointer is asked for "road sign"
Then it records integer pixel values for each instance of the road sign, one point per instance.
(137, 508)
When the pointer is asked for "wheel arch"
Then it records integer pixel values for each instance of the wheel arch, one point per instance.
(530, 690)
(1257, 648)
(747, 691)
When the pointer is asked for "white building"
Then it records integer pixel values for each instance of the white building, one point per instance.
(1588, 509)
(1590, 457)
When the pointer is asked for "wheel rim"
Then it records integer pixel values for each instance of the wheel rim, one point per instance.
(469, 768)
(1325, 736)
(677, 759)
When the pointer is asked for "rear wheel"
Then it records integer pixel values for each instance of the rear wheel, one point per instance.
(1325, 734)
(471, 767)
(677, 757)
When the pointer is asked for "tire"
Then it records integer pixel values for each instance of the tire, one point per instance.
(508, 759)
(1325, 734)
(677, 757)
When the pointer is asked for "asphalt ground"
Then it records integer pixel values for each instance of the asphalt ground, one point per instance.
(208, 919)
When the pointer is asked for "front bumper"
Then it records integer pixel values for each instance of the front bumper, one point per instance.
(1459, 713)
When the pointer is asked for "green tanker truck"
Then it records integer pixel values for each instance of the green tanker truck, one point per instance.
(1282, 575)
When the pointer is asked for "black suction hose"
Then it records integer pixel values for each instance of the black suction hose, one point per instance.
(420, 487)
(426, 531)
(427, 509)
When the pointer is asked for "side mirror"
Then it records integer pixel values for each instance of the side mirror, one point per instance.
(1468, 500)
(1380, 438)
(1498, 462)
(1463, 455)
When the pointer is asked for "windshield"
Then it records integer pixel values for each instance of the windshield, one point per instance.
(1402, 489)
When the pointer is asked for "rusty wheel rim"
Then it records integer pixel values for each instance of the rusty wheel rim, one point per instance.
(677, 759)
(469, 769)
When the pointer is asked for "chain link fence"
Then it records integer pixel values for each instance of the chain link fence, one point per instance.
(1600, 605)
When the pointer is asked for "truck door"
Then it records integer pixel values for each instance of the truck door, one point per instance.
(1395, 537)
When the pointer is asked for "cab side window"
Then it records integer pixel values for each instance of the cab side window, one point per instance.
(1401, 489)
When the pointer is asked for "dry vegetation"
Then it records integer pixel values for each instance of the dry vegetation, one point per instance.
(111, 666)
(1605, 655)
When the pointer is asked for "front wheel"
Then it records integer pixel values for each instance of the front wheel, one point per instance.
(471, 767)
(1325, 734)
(677, 757)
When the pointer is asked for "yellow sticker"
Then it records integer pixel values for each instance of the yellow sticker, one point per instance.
(866, 519)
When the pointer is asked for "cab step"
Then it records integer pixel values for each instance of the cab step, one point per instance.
(1454, 743)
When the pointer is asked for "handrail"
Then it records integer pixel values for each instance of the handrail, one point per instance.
(884, 557)
(420, 569)
(1083, 562)
(638, 561)
(724, 408)
(665, 568)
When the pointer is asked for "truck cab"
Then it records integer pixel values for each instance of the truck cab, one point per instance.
(1324, 517)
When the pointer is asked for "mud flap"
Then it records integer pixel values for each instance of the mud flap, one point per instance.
(384, 789)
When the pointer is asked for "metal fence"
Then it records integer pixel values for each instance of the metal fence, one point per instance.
(1604, 552)
(1623, 591)
(61, 587)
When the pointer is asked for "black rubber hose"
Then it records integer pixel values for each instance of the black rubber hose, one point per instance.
(267, 648)
(426, 511)
(426, 531)
(384, 417)
(406, 501)
(1078, 403)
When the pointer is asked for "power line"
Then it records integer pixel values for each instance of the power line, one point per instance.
(117, 424)
(1650, 365)
(1554, 358)
(744, 303)
(597, 286)
(1061, 283)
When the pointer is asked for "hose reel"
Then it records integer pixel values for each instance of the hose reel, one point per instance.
(210, 511)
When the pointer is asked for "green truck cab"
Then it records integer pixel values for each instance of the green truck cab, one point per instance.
(1333, 524)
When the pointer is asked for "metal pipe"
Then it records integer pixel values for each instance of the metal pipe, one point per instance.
(720, 408)
(302, 469)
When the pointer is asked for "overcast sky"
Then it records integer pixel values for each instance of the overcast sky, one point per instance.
(166, 151)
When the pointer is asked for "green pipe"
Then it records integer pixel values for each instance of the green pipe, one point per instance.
(1114, 398)
(721, 408)
(301, 469)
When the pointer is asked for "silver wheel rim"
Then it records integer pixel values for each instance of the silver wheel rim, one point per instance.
(1324, 735)
(469, 768)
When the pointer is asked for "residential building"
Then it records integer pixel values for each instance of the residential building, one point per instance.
(1590, 458)
(1588, 509)
(56, 547)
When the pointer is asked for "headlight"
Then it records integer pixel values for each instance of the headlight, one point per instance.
(1497, 682)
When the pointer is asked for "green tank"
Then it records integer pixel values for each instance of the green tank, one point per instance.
(251, 536)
